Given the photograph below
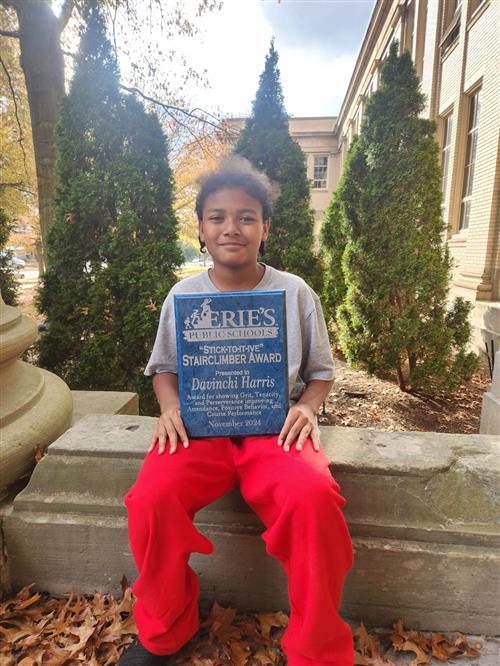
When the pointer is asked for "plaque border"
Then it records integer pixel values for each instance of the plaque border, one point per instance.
(219, 295)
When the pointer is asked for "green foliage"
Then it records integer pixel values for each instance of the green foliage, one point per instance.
(334, 233)
(266, 142)
(8, 283)
(189, 250)
(395, 264)
(112, 247)
(333, 242)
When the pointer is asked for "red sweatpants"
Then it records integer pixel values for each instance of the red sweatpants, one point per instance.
(294, 495)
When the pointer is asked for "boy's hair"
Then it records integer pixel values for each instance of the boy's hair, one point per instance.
(237, 172)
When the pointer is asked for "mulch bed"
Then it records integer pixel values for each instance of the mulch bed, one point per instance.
(359, 400)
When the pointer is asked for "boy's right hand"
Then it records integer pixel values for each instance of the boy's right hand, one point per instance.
(169, 427)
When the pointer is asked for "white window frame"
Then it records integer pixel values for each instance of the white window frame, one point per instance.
(320, 172)
(445, 154)
(470, 159)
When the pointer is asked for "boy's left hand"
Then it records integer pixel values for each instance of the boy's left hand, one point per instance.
(300, 424)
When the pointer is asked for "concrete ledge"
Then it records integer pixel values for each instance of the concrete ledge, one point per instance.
(423, 510)
(103, 402)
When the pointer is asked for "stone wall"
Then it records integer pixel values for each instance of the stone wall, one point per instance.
(422, 509)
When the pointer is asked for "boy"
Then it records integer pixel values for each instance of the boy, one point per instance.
(284, 478)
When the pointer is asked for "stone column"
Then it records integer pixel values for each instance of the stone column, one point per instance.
(35, 405)
(490, 413)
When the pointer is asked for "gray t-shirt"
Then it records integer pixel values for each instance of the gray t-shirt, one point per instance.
(308, 347)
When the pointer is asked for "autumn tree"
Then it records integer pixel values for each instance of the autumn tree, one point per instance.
(112, 247)
(192, 157)
(266, 142)
(17, 174)
(395, 264)
(41, 38)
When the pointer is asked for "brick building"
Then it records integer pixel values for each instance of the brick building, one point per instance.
(455, 45)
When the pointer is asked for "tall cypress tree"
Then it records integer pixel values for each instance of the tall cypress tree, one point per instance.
(395, 263)
(112, 247)
(266, 142)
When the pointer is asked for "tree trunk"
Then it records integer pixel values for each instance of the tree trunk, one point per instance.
(412, 362)
(401, 379)
(43, 66)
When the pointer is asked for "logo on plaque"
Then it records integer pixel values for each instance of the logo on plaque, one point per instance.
(205, 323)
(233, 374)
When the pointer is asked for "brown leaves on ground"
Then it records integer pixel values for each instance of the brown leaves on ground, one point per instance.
(431, 645)
(371, 650)
(37, 630)
(243, 640)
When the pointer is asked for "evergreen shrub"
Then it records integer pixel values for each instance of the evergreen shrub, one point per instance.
(112, 248)
(395, 263)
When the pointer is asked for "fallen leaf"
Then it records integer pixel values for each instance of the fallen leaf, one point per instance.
(239, 655)
(269, 620)
(466, 649)
(421, 657)
(38, 454)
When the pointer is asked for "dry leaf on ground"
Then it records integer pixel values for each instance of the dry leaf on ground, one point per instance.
(37, 630)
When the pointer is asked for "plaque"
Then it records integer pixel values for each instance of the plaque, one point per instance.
(232, 362)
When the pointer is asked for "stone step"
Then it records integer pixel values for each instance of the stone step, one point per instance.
(423, 510)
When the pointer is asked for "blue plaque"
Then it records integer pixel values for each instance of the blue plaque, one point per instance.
(232, 362)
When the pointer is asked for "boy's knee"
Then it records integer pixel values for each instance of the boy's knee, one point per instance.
(318, 494)
(147, 498)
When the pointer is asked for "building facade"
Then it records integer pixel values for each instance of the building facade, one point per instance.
(455, 46)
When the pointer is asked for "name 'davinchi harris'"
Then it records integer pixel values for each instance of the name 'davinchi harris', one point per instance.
(245, 382)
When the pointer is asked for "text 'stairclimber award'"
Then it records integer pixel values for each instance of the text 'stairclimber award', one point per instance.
(233, 374)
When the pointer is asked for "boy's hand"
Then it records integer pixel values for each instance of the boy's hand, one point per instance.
(300, 424)
(171, 427)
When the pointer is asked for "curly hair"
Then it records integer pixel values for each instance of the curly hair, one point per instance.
(238, 172)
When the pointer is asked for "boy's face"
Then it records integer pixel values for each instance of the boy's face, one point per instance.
(232, 227)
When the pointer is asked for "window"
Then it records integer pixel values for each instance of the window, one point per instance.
(355, 124)
(370, 90)
(320, 171)
(470, 159)
(473, 5)
(409, 27)
(451, 24)
(448, 128)
(385, 54)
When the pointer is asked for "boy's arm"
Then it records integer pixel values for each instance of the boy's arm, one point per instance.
(301, 421)
(169, 425)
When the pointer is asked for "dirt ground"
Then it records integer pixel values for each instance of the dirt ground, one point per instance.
(385, 407)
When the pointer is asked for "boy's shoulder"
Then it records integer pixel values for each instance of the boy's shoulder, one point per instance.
(274, 279)
(192, 284)
(283, 280)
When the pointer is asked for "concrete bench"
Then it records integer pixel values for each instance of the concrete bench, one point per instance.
(422, 508)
